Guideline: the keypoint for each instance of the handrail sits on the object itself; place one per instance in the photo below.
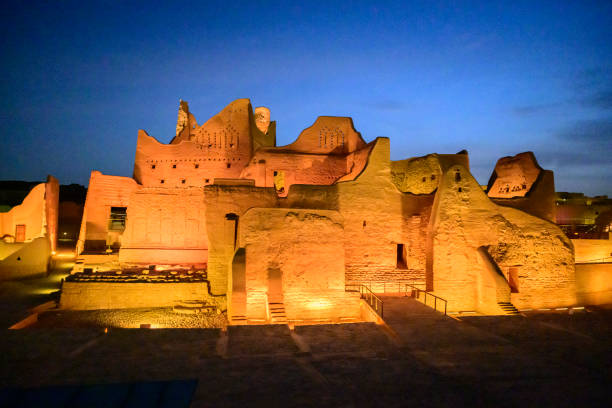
(366, 293)
(418, 296)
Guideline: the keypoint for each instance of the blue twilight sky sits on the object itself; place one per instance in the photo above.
(78, 79)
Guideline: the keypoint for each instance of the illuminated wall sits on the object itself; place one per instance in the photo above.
(593, 250)
(103, 193)
(29, 232)
(519, 182)
(220, 148)
(464, 219)
(291, 258)
(165, 226)
(300, 221)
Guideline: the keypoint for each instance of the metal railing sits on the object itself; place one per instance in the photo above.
(366, 294)
(416, 293)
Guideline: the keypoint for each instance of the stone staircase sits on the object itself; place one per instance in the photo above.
(276, 308)
(238, 320)
(190, 307)
(509, 308)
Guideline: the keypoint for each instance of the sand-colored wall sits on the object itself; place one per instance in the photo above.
(328, 135)
(464, 219)
(103, 193)
(421, 175)
(302, 247)
(98, 295)
(31, 213)
(295, 168)
(594, 283)
(22, 260)
(165, 226)
(52, 210)
(220, 148)
(222, 201)
(519, 182)
(593, 250)
(378, 217)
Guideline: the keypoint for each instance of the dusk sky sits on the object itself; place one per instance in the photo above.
(78, 79)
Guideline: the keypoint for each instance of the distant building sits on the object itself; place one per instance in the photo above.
(584, 217)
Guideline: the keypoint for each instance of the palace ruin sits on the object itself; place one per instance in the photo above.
(224, 219)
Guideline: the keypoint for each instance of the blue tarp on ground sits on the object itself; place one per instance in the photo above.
(161, 394)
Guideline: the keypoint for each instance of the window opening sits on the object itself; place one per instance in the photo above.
(117, 218)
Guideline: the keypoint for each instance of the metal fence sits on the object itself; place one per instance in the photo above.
(366, 294)
(416, 293)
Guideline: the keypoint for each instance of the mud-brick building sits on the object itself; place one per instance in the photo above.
(287, 228)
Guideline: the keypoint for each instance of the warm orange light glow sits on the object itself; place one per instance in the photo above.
(319, 304)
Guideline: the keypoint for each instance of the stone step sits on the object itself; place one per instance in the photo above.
(509, 308)
(238, 319)
(277, 311)
(191, 303)
(186, 310)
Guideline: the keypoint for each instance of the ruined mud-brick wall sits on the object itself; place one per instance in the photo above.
(105, 295)
(421, 175)
(51, 210)
(31, 213)
(282, 170)
(464, 220)
(292, 257)
(519, 182)
(594, 283)
(387, 209)
(322, 154)
(165, 226)
(220, 148)
(103, 193)
(374, 223)
(225, 204)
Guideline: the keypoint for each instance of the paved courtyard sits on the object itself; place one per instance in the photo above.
(421, 358)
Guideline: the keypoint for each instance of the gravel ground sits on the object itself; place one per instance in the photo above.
(162, 317)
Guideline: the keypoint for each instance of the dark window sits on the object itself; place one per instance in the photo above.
(229, 165)
(433, 176)
(401, 257)
(161, 181)
(207, 180)
(197, 166)
(183, 181)
(174, 166)
(152, 166)
(424, 179)
(117, 218)
(457, 176)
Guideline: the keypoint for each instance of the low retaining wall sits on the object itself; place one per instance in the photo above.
(25, 260)
(593, 250)
(103, 295)
(594, 283)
